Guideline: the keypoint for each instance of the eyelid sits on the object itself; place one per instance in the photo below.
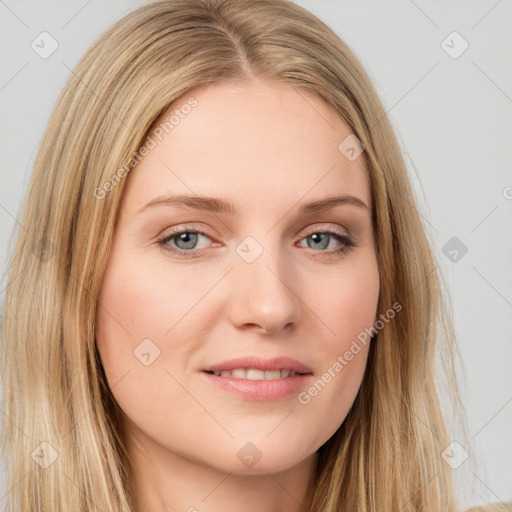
(325, 227)
(185, 228)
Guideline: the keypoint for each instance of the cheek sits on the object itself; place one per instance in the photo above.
(130, 312)
(136, 309)
(348, 307)
(136, 303)
(346, 302)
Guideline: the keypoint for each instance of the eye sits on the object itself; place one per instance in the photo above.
(321, 239)
(185, 240)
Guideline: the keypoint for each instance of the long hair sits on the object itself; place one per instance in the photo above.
(61, 431)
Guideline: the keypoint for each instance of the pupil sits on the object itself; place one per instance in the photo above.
(317, 238)
(188, 239)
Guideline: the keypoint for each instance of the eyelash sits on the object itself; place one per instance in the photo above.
(347, 242)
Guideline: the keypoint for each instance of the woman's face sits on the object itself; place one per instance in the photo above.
(192, 284)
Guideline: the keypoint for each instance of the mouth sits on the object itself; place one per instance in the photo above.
(258, 368)
(256, 379)
(256, 374)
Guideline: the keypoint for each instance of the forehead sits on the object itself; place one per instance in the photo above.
(257, 144)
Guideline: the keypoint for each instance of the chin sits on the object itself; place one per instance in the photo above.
(261, 458)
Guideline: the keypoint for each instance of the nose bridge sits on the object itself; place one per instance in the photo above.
(265, 294)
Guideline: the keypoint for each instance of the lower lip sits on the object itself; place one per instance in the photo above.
(261, 390)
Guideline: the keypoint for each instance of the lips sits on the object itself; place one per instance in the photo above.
(258, 379)
(254, 366)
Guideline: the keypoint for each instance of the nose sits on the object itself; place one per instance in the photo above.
(265, 295)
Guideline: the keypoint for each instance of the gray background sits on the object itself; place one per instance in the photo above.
(453, 118)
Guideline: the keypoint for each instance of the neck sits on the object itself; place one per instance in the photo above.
(166, 481)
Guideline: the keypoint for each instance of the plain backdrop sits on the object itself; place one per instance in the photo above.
(443, 72)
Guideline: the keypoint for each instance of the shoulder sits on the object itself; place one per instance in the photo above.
(492, 507)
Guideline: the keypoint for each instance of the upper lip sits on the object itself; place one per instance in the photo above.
(277, 363)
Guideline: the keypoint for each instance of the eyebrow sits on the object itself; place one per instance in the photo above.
(217, 205)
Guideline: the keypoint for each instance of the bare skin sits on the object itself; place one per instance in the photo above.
(268, 150)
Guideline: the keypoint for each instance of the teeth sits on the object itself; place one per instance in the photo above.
(255, 374)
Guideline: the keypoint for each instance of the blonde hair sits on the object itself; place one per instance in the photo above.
(386, 455)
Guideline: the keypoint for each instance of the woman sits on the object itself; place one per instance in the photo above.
(177, 334)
